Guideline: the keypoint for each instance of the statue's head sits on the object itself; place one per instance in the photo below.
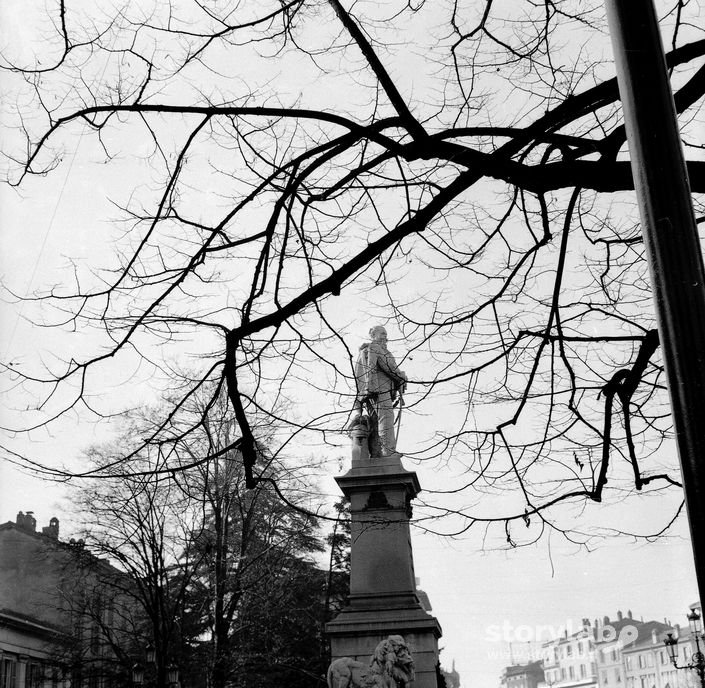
(378, 334)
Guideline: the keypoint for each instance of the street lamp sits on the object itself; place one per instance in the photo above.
(138, 670)
(137, 675)
(697, 659)
(172, 675)
(150, 654)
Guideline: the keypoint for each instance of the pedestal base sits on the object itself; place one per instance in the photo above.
(383, 599)
(356, 634)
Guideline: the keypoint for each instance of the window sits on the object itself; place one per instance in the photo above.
(109, 616)
(628, 662)
(583, 672)
(569, 650)
(562, 674)
(614, 654)
(604, 676)
(95, 639)
(617, 675)
(33, 677)
(571, 671)
(8, 674)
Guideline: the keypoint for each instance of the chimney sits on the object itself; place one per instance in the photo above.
(619, 615)
(606, 620)
(52, 530)
(629, 613)
(27, 521)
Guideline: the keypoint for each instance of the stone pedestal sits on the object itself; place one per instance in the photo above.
(383, 599)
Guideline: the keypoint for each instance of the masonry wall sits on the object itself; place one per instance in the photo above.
(58, 604)
(30, 577)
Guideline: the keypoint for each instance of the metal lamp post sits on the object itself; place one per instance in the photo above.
(150, 654)
(172, 675)
(137, 675)
(698, 659)
(138, 670)
(671, 239)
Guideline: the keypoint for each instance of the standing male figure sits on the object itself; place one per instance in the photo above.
(379, 379)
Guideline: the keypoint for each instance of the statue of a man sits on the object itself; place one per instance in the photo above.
(379, 381)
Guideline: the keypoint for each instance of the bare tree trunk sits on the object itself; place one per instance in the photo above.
(220, 627)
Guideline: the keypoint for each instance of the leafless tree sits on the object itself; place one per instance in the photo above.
(140, 527)
(459, 166)
(247, 545)
(199, 551)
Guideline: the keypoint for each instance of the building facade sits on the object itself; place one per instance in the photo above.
(529, 675)
(569, 661)
(631, 653)
(61, 613)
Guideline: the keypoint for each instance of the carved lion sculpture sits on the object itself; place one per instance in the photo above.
(391, 666)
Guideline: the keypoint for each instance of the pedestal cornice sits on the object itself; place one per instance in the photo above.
(380, 474)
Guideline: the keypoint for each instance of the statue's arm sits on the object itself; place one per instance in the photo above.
(370, 367)
(389, 366)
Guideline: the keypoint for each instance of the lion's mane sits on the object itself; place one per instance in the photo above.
(391, 666)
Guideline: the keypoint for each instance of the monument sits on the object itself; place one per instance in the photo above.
(383, 601)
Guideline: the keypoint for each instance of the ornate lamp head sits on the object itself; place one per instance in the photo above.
(694, 622)
(172, 674)
(671, 644)
(137, 675)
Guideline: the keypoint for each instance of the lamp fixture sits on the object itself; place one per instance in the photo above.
(697, 658)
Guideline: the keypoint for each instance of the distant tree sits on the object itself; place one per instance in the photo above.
(254, 566)
(460, 167)
(141, 526)
(280, 641)
(338, 584)
(208, 559)
(252, 548)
